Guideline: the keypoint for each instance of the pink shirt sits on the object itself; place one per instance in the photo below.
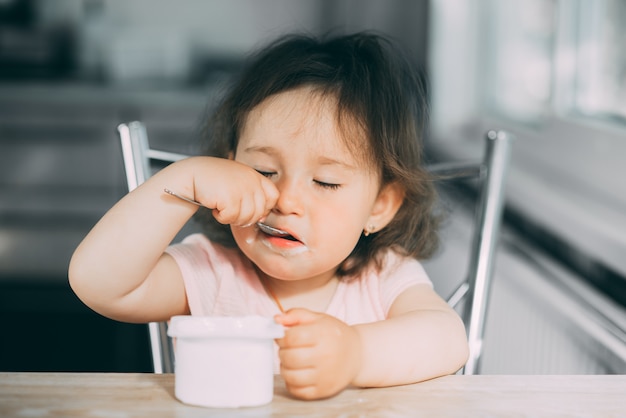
(222, 282)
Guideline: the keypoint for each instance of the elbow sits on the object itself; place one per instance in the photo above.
(462, 356)
(459, 351)
(81, 281)
(81, 278)
(90, 284)
(451, 350)
(74, 275)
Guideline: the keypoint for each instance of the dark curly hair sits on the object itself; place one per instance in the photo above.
(378, 93)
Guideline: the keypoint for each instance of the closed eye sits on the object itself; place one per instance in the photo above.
(267, 174)
(330, 186)
(322, 184)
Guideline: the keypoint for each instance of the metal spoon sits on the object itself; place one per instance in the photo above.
(263, 227)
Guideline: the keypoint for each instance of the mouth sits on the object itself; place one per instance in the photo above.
(278, 235)
(289, 238)
(286, 237)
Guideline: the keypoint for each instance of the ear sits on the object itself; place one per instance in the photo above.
(385, 207)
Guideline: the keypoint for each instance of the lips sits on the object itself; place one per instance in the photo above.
(281, 236)
(289, 238)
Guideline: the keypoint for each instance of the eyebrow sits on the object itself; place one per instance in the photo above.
(261, 149)
(323, 160)
(331, 161)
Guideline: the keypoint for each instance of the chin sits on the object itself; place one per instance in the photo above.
(279, 271)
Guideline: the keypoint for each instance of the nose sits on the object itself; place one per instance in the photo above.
(291, 197)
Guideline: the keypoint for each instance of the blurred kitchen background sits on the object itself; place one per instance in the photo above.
(552, 72)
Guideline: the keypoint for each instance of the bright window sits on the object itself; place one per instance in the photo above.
(549, 55)
(520, 42)
(600, 81)
(553, 72)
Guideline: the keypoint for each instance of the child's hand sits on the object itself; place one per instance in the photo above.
(237, 193)
(319, 354)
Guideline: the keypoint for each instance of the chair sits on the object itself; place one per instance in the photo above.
(474, 290)
(137, 157)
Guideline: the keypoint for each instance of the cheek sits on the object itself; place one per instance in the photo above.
(243, 237)
(342, 223)
(340, 240)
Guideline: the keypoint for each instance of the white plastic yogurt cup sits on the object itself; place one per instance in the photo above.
(224, 362)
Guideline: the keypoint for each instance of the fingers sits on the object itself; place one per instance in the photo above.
(297, 316)
(245, 199)
(300, 336)
(270, 194)
(307, 393)
(319, 355)
(303, 330)
(301, 383)
(301, 375)
(309, 383)
(241, 209)
(297, 358)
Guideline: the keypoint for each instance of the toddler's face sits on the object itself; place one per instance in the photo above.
(326, 193)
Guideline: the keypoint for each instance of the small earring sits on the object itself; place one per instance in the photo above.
(368, 230)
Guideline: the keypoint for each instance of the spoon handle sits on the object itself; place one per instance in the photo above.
(264, 227)
(186, 199)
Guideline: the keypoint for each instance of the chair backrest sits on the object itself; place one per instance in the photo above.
(475, 288)
(138, 157)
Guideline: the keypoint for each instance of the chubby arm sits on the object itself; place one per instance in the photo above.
(120, 269)
(421, 339)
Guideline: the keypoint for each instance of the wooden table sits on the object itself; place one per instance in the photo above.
(150, 395)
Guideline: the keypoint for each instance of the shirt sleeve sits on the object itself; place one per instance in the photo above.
(399, 273)
(197, 260)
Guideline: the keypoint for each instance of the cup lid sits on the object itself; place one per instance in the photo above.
(253, 326)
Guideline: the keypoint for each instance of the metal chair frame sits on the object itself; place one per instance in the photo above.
(475, 289)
